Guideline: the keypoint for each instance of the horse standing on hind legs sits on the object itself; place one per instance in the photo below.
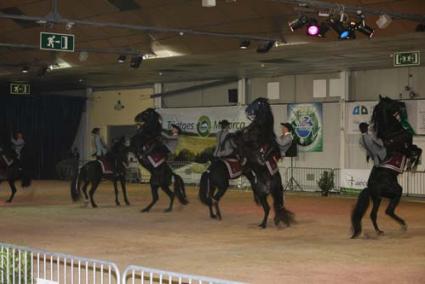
(152, 155)
(93, 172)
(390, 124)
(256, 146)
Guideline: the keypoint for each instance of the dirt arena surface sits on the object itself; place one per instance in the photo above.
(316, 250)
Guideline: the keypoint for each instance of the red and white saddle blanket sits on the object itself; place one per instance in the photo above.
(233, 167)
(396, 162)
(157, 159)
(105, 165)
(271, 164)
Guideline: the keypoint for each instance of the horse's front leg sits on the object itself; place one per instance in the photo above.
(12, 189)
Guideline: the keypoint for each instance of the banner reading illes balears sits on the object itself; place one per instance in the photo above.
(307, 122)
(199, 125)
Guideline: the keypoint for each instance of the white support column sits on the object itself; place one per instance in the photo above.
(242, 91)
(157, 89)
(345, 77)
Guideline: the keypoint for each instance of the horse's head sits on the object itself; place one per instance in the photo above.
(149, 122)
(259, 107)
(387, 116)
(121, 149)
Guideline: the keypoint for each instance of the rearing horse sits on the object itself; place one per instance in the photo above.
(390, 124)
(152, 155)
(257, 144)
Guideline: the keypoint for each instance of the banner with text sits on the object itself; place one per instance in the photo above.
(358, 112)
(199, 127)
(308, 126)
(354, 178)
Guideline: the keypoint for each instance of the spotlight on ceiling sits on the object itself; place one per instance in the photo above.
(121, 58)
(244, 44)
(342, 31)
(383, 21)
(265, 46)
(313, 28)
(136, 61)
(25, 69)
(366, 30)
(298, 23)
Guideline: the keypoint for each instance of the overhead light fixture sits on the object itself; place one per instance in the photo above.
(136, 61)
(69, 26)
(420, 27)
(265, 46)
(323, 29)
(342, 31)
(383, 21)
(298, 23)
(244, 44)
(208, 3)
(25, 69)
(366, 30)
(121, 58)
(83, 56)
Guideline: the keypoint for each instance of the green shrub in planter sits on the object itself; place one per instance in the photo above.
(9, 266)
(326, 182)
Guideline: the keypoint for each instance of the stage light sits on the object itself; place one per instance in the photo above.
(136, 61)
(298, 23)
(366, 30)
(121, 58)
(342, 31)
(244, 44)
(25, 69)
(313, 28)
(383, 21)
(265, 46)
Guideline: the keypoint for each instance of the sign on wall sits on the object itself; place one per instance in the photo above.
(308, 125)
(407, 58)
(358, 112)
(20, 88)
(354, 178)
(58, 42)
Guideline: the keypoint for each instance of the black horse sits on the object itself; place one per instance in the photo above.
(93, 172)
(12, 169)
(390, 124)
(215, 180)
(152, 155)
(257, 144)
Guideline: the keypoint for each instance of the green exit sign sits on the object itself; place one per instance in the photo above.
(20, 88)
(408, 58)
(57, 42)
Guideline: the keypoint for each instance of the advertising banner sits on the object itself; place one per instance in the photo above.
(308, 126)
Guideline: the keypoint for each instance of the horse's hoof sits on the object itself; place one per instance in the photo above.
(276, 221)
(168, 210)
(404, 228)
(94, 205)
(117, 203)
(263, 226)
(380, 233)
(8, 201)
(144, 210)
(213, 216)
(127, 203)
(355, 235)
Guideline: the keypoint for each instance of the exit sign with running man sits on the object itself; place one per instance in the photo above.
(57, 42)
(408, 58)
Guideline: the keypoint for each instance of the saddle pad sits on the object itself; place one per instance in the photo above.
(396, 162)
(233, 167)
(271, 164)
(105, 165)
(156, 159)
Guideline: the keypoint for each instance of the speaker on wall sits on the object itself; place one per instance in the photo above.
(233, 95)
(293, 149)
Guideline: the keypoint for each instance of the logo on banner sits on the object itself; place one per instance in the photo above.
(360, 110)
(204, 126)
(307, 128)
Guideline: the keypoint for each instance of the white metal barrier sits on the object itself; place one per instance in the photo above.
(139, 274)
(22, 265)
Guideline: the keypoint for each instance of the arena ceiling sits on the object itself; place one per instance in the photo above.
(206, 39)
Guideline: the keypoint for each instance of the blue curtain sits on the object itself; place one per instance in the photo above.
(49, 125)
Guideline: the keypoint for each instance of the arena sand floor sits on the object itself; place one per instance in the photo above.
(316, 250)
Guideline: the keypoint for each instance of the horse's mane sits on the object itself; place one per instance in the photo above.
(151, 119)
(262, 127)
(384, 122)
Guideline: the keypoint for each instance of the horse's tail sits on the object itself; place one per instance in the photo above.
(25, 178)
(179, 189)
(204, 188)
(359, 211)
(281, 213)
(76, 183)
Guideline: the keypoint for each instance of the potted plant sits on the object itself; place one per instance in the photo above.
(326, 182)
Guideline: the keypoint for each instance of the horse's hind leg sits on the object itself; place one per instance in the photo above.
(215, 200)
(391, 211)
(117, 202)
(13, 189)
(124, 190)
(266, 208)
(376, 201)
(171, 195)
(84, 189)
(154, 190)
